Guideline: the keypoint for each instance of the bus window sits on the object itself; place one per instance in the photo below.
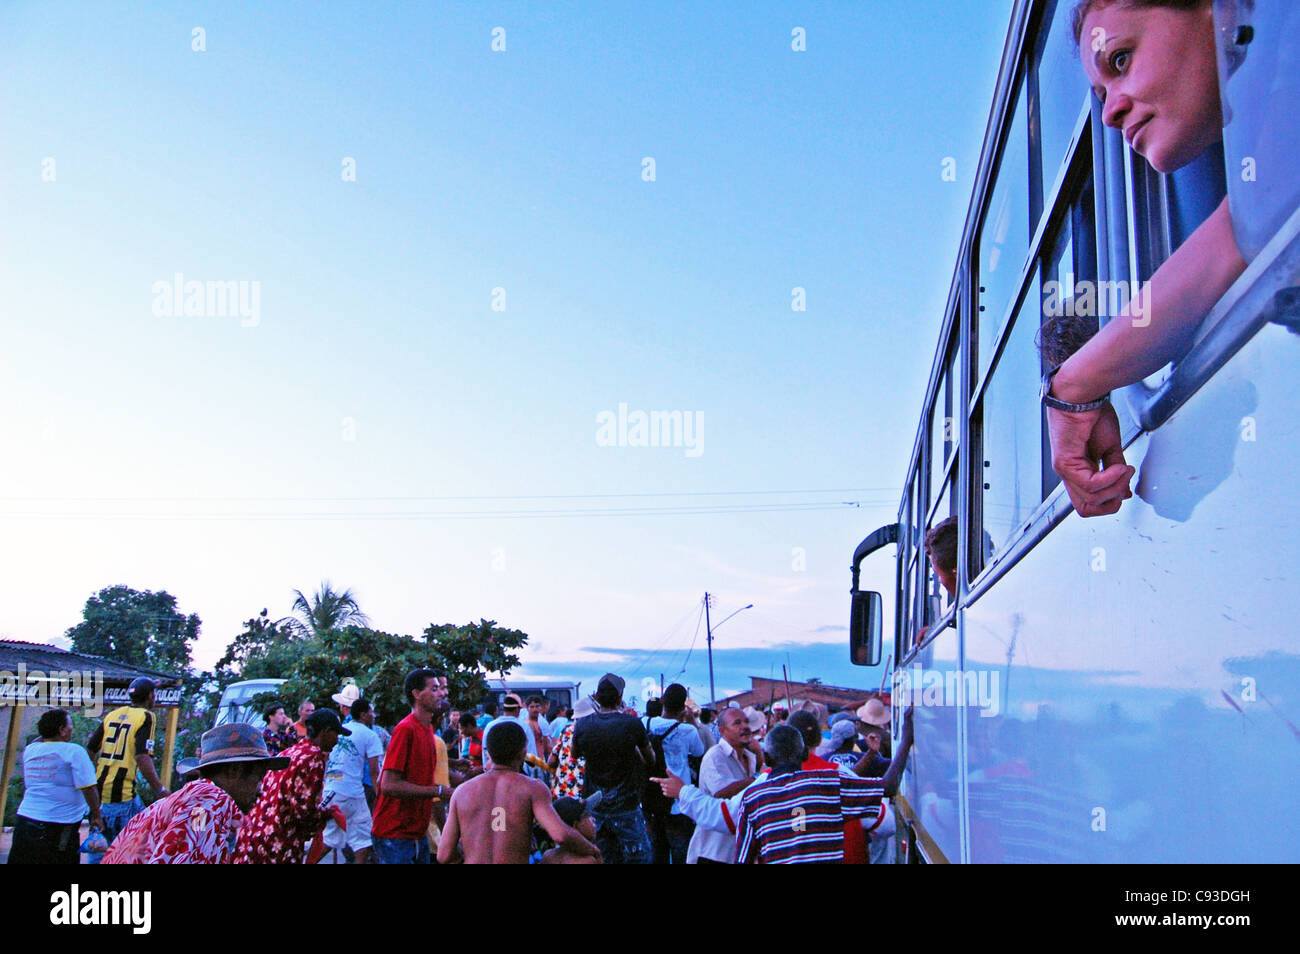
(938, 597)
(943, 421)
(1058, 94)
(1003, 242)
(1259, 80)
(1011, 431)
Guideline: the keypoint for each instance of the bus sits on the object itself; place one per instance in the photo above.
(557, 693)
(1121, 688)
(236, 703)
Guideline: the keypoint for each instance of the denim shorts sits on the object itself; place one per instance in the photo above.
(116, 815)
(402, 851)
(622, 838)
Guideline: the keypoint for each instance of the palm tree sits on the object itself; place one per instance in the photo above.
(326, 610)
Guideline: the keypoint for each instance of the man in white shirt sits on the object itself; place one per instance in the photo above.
(345, 775)
(727, 769)
(510, 706)
(671, 833)
(59, 786)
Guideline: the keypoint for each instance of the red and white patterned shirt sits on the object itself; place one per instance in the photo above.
(196, 825)
(288, 813)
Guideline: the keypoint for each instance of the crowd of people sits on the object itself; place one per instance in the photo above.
(595, 783)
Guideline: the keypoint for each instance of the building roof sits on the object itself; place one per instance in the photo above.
(46, 658)
(763, 690)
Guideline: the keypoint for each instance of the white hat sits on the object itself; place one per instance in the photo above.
(874, 712)
(348, 696)
(585, 707)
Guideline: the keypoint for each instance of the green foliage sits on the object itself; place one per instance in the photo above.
(141, 628)
(468, 653)
(317, 667)
(264, 650)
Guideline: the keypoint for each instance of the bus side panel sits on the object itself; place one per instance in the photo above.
(934, 766)
(1146, 666)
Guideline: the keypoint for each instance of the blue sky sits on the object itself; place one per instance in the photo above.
(229, 461)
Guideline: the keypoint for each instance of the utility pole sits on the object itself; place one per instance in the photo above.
(708, 628)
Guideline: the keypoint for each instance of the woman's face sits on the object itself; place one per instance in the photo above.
(1154, 70)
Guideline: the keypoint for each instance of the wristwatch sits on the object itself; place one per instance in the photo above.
(1056, 403)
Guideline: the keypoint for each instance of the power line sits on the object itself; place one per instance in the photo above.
(674, 510)
(595, 496)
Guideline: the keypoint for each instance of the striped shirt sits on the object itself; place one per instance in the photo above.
(125, 733)
(799, 817)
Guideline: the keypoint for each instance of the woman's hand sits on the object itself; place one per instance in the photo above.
(1088, 456)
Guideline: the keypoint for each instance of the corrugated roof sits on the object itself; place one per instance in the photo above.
(43, 656)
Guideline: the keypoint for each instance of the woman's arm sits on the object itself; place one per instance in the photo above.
(1153, 329)
(1158, 325)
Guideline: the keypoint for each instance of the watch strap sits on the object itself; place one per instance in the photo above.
(1057, 404)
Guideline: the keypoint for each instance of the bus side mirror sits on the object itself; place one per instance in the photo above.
(864, 629)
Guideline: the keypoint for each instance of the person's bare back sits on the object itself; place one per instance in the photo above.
(492, 815)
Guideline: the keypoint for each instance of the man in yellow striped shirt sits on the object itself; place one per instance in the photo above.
(124, 743)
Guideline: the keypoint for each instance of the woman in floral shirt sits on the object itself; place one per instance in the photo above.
(570, 771)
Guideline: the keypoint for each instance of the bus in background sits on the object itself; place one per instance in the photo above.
(557, 694)
(1121, 688)
(237, 702)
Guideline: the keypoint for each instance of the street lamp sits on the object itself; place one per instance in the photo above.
(709, 631)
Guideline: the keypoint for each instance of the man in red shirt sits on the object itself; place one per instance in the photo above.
(406, 787)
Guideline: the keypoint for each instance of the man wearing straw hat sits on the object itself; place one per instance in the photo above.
(199, 823)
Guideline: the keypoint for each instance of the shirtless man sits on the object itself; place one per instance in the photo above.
(491, 817)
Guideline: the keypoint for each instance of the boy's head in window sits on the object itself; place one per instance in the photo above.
(1062, 335)
(941, 548)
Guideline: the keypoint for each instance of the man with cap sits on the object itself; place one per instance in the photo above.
(617, 751)
(124, 743)
(511, 705)
(345, 698)
(200, 822)
(289, 813)
(576, 813)
(352, 762)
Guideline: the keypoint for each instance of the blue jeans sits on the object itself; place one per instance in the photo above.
(116, 815)
(670, 837)
(402, 851)
(622, 839)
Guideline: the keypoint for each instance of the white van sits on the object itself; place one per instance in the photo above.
(234, 705)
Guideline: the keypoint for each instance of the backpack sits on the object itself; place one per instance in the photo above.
(653, 799)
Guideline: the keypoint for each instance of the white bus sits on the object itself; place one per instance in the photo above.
(1122, 688)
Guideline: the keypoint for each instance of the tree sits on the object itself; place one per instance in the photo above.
(264, 650)
(469, 653)
(378, 663)
(326, 610)
(140, 628)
